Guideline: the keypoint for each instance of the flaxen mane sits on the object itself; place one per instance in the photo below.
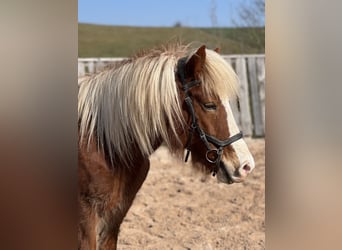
(136, 101)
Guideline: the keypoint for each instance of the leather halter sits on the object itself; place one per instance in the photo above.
(194, 127)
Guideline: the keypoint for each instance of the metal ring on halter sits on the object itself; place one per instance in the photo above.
(208, 152)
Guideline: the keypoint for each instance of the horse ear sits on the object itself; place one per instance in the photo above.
(196, 62)
(217, 50)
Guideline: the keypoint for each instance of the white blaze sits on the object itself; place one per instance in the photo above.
(240, 146)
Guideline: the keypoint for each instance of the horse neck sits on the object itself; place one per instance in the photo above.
(137, 156)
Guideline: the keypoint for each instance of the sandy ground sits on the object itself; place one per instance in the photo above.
(178, 208)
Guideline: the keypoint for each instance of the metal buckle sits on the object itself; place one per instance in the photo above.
(217, 155)
(212, 159)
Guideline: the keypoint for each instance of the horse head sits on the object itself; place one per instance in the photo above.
(206, 83)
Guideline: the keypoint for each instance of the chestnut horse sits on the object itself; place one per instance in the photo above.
(171, 95)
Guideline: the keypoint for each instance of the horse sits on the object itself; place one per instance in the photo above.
(173, 95)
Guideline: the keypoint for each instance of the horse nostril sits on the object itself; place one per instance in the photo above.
(244, 170)
(246, 167)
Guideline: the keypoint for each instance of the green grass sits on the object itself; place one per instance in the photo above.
(119, 41)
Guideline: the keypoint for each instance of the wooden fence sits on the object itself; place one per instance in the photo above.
(249, 109)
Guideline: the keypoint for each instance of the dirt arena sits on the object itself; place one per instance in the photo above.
(178, 208)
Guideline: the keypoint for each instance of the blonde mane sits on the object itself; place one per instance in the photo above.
(137, 102)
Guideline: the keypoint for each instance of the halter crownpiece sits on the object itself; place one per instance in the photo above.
(213, 156)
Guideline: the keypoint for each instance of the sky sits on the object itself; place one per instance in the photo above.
(160, 13)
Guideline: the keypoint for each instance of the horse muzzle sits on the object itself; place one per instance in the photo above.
(230, 175)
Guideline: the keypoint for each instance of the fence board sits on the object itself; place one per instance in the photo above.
(255, 98)
(91, 67)
(246, 119)
(81, 69)
(233, 102)
(261, 83)
(100, 66)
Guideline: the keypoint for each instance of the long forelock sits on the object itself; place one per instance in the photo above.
(218, 77)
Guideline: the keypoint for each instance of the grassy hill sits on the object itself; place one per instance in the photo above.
(119, 41)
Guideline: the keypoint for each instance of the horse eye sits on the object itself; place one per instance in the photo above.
(209, 106)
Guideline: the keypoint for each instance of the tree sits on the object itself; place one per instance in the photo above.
(252, 14)
(252, 17)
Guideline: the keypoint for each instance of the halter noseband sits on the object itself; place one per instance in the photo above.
(194, 127)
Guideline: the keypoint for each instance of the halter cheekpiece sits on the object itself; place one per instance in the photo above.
(213, 155)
